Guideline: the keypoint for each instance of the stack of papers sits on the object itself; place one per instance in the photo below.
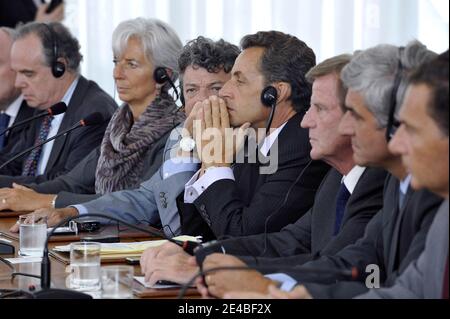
(129, 249)
(141, 280)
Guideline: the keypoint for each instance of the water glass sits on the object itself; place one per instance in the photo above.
(117, 282)
(85, 266)
(32, 235)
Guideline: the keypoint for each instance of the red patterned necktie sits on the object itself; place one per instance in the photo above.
(31, 163)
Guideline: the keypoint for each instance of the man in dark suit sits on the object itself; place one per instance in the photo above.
(13, 109)
(396, 235)
(345, 202)
(221, 200)
(46, 59)
(422, 141)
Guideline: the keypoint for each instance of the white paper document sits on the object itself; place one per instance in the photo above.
(24, 260)
(141, 280)
(129, 248)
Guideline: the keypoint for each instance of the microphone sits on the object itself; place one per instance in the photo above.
(46, 292)
(90, 120)
(350, 274)
(56, 109)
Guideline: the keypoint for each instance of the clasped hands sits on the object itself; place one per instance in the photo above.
(216, 141)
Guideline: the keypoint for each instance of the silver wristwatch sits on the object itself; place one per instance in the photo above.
(187, 144)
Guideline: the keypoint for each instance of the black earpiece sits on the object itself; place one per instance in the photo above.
(160, 76)
(58, 68)
(183, 101)
(269, 96)
(393, 124)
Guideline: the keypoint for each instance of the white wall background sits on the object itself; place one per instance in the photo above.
(330, 27)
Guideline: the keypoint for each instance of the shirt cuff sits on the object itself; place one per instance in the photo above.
(81, 209)
(179, 165)
(287, 282)
(194, 188)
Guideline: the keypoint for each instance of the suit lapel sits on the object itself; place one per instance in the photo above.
(326, 206)
(69, 120)
(24, 112)
(399, 214)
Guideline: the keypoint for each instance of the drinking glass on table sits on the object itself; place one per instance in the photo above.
(117, 282)
(85, 266)
(32, 235)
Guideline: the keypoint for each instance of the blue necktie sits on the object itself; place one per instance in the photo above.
(31, 163)
(401, 199)
(4, 121)
(341, 202)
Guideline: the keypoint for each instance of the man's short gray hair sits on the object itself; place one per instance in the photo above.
(160, 42)
(372, 74)
(50, 34)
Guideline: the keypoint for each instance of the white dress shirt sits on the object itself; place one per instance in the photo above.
(351, 179)
(196, 186)
(56, 123)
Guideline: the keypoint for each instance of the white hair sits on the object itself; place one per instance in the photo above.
(160, 43)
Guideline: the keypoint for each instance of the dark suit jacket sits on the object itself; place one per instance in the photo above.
(241, 207)
(392, 240)
(16, 11)
(13, 136)
(78, 186)
(312, 235)
(70, 149)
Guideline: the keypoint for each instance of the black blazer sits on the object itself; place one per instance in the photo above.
(70, 149)
(78, 186)
(13, 136)
(16, 11)
(312, 235)
(241, 207)
(393, 239)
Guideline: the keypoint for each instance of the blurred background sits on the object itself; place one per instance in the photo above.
(330, 27)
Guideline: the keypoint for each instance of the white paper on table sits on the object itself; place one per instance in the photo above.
(24, 260)
(133, 247)
(141, 280)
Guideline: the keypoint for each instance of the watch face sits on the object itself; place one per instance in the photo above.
(187, 144)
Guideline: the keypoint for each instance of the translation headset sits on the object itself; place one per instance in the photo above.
(161, 77)
(269, 98)
(58, 68)
(393, 124)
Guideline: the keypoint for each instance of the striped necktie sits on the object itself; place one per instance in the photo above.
(31, 163)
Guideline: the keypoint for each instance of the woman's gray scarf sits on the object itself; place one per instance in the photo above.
(126, 143)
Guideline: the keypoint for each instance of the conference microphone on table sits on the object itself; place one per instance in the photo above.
(90, 120)
(56, 109)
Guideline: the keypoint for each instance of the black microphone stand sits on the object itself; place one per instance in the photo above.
(40, 144)
(56, 109)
